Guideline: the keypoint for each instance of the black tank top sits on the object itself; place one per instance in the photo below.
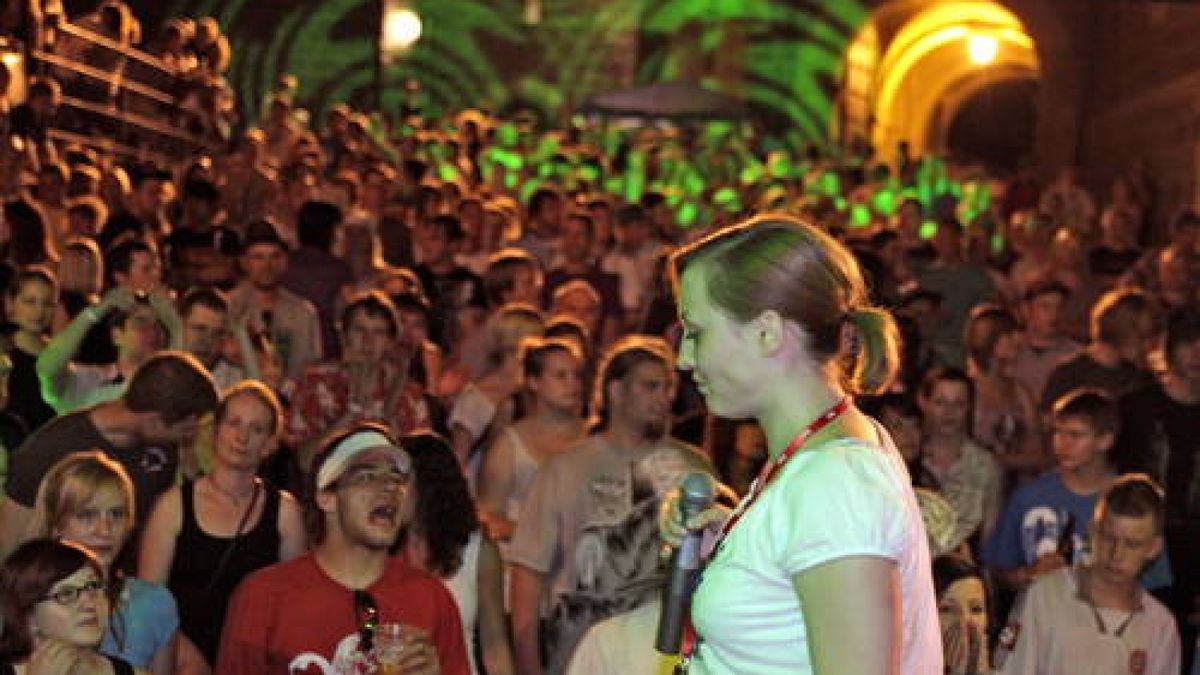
(202, 599)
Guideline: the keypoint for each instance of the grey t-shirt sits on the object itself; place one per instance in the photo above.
(151, 469)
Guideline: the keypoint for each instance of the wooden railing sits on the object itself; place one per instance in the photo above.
(117, 98)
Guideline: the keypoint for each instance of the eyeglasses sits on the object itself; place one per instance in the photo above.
(70, 595)
(374, 478)
(367, 614)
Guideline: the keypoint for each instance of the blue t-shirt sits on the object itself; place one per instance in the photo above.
(1034, 520)
(146, 619)
(1033, 523)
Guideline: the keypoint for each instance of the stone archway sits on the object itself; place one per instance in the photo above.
(926, 66)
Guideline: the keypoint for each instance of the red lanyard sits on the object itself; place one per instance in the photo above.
(768, 473)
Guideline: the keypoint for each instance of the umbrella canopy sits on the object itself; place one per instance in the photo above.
(666, 100)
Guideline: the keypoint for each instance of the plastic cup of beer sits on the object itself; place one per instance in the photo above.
(389, 648)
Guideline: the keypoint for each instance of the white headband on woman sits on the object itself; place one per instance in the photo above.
(354, 445)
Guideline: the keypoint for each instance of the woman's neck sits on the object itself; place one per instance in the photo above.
(943, 448)
(789, 415)
(236, 485)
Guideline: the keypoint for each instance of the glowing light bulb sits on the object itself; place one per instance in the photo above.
(401, 29)
(982, 49)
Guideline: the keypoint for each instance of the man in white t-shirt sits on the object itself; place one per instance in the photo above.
(1097, 620)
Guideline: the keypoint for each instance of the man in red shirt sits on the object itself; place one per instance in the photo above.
(320, 612)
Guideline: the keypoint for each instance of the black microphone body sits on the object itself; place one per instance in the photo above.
(696, 494)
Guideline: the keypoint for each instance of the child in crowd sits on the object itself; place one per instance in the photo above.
(1045, 521)
(1097, 619)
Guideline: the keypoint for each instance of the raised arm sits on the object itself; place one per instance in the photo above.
(54, 359)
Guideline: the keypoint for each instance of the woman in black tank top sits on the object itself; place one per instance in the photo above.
(204, 537)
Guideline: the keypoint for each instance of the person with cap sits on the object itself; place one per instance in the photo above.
(261, 301)
(347, 604)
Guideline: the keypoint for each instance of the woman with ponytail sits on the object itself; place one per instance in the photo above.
(824, 566)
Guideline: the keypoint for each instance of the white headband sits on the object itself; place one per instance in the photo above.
(354, 445)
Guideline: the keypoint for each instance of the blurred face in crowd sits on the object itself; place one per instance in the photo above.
(264, 265)
(75, 610)
(1139, 339)
(140, 336)
(1184, 361)
(560, 384)
(151, 196)
(1123, 545)
(576, 241)
(549, 215)
(156, 431)
(643, 398)
(245, 433)
(145, 272)
(946, 408)
(31, 309)
(204, 330)
(368, 338)
(101, 523)
(964, 604)
(526, 286)
(582, 305)
(749, 442)
(1078, 445)
(414, 327)
(632, 235)
(1043, 314)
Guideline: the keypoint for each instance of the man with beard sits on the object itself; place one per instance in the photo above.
(330, 610)
(587, 536)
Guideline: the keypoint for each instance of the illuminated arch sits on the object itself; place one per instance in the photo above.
(924, 73)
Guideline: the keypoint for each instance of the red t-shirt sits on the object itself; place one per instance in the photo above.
(293, 618)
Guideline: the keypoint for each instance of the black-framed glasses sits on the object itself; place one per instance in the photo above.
(366, 612)
(69, 595)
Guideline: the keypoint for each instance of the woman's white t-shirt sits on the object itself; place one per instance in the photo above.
(844, 498)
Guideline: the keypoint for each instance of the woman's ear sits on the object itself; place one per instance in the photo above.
(769, 332)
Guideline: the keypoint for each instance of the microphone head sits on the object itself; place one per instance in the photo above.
(697, 492)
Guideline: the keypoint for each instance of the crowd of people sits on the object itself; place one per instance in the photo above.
(375, 393)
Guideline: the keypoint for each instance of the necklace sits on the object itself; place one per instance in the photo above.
(232, 496)
(1085, 592)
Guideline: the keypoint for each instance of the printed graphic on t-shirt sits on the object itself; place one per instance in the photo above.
(348, 659)
(616, 555)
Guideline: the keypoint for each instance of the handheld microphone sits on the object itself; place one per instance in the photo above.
(697, 492)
